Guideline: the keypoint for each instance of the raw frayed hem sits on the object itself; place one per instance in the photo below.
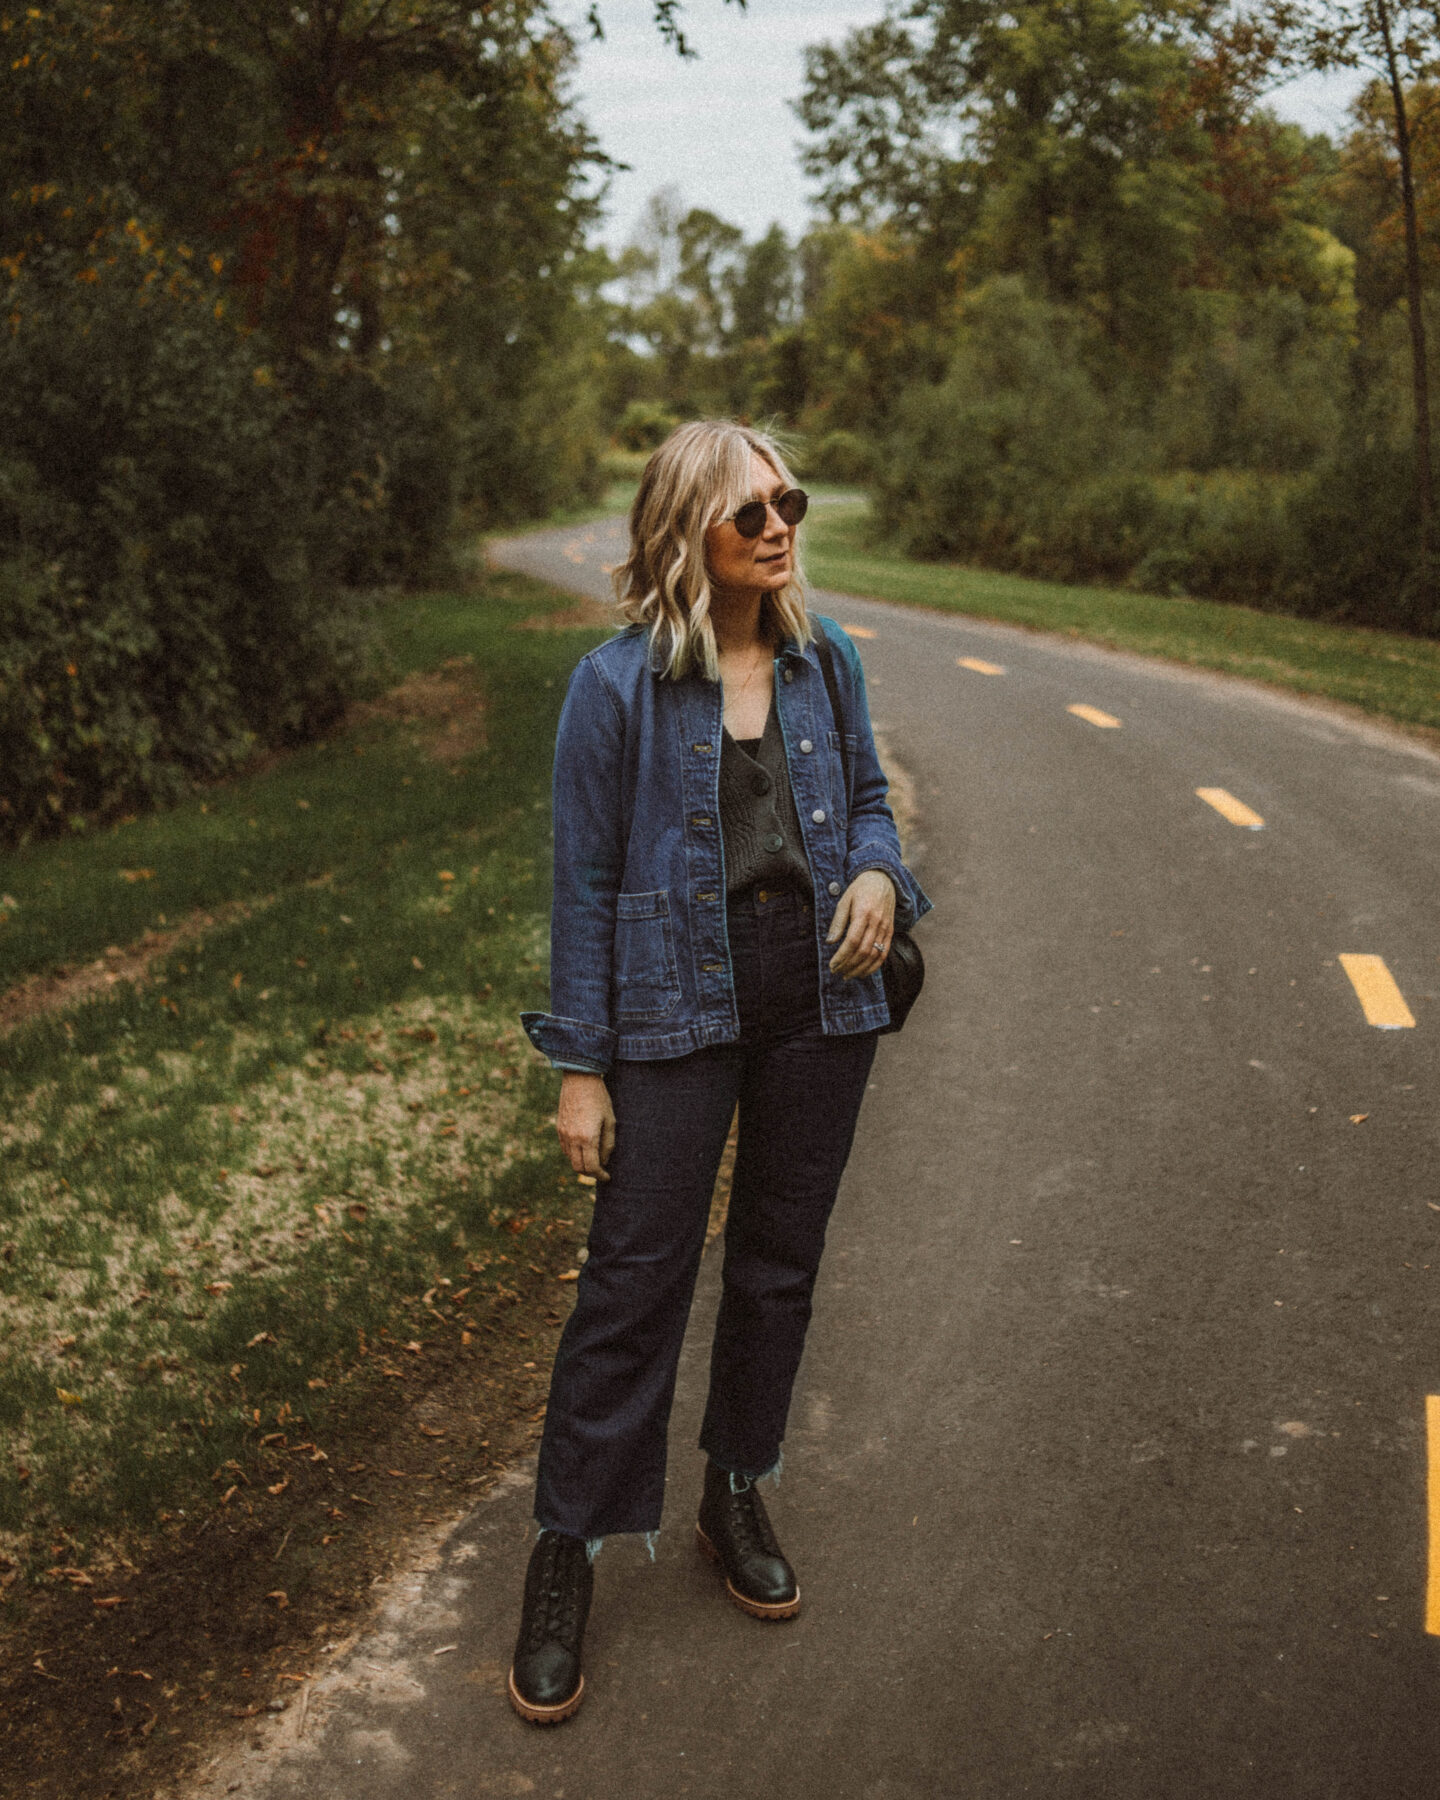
(741, 1483)
(593, 1546)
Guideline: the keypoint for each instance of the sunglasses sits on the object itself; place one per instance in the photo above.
(791, 506)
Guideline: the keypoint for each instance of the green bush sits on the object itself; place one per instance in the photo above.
(175, 535)
(839, 456)
(644, 424)
(1300, 498)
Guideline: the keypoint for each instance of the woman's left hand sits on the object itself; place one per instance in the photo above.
(864, 924)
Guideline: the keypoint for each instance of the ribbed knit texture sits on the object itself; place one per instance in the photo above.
(758, 821)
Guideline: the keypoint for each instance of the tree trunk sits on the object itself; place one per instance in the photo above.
(1419, 363)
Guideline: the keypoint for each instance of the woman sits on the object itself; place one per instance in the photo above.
(722, 910)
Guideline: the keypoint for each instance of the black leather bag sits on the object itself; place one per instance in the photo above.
(903, 970)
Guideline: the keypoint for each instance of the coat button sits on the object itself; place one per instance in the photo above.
(760, 784)
(818, 815)
(834, 890)
(789, 675)
(774, 843)
(806, 746)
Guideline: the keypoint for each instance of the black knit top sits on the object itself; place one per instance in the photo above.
(758, 821)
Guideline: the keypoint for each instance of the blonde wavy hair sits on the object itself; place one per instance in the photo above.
(699, 476)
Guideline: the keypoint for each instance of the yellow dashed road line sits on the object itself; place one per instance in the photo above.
(1093, 716)
(1432, 1495)
(1236, 811)
(860, 631)
(979, 665)
(1377, 993)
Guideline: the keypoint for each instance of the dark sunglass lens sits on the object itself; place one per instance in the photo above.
(750, 520)
(792, 505)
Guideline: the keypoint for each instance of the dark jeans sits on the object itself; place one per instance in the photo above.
(602, 1460)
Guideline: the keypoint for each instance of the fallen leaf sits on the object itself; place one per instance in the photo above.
(446, 875)
(430, 1432)
(66, 1398)
(218, 1287)
(262, 1337)
(569, 1275)
(415, 963)
(1358, 1118)
(137, 875)
(279, 1487)
(357, 1209)
(415, 1347)
(109, 1601)
(280, 1597)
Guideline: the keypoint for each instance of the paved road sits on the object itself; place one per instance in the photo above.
(1107, 1473)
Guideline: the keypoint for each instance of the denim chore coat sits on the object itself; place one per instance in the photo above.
(640, 961)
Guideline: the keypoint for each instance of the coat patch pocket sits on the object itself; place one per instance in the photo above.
(647, 982)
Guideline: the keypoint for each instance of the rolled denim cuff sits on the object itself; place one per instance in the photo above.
(590, 1048)
(910, 901)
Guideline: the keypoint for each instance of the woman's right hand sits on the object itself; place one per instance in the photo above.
(586, 1123)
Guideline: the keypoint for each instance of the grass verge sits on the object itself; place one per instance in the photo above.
(311, 1144)
(1383, 673)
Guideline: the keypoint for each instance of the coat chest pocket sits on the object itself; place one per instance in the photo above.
(852, 750)
(647, 983)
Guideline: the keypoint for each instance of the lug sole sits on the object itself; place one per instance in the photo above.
(757, 1609)
(544, 1715)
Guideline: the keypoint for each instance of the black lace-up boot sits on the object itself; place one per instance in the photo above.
(734, 1531)
(546, 1685)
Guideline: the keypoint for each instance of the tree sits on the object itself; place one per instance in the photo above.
(1399, 44)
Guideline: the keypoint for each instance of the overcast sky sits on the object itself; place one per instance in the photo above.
(719, 127)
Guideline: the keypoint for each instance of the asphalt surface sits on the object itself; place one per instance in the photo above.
(1107, 1468)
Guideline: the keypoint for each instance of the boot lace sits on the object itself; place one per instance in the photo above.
(556, 1617)
(749, 1523)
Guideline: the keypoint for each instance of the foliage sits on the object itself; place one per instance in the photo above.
(173, 540)
(1394, 676)
(644, 424)
(1079, 304)
(290, 291)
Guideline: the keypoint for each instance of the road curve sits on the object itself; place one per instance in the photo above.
(1107, 1469)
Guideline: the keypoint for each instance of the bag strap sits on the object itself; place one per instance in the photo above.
(832, 688)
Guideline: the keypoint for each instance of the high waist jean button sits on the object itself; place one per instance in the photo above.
(818, 815)
(806, 746)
